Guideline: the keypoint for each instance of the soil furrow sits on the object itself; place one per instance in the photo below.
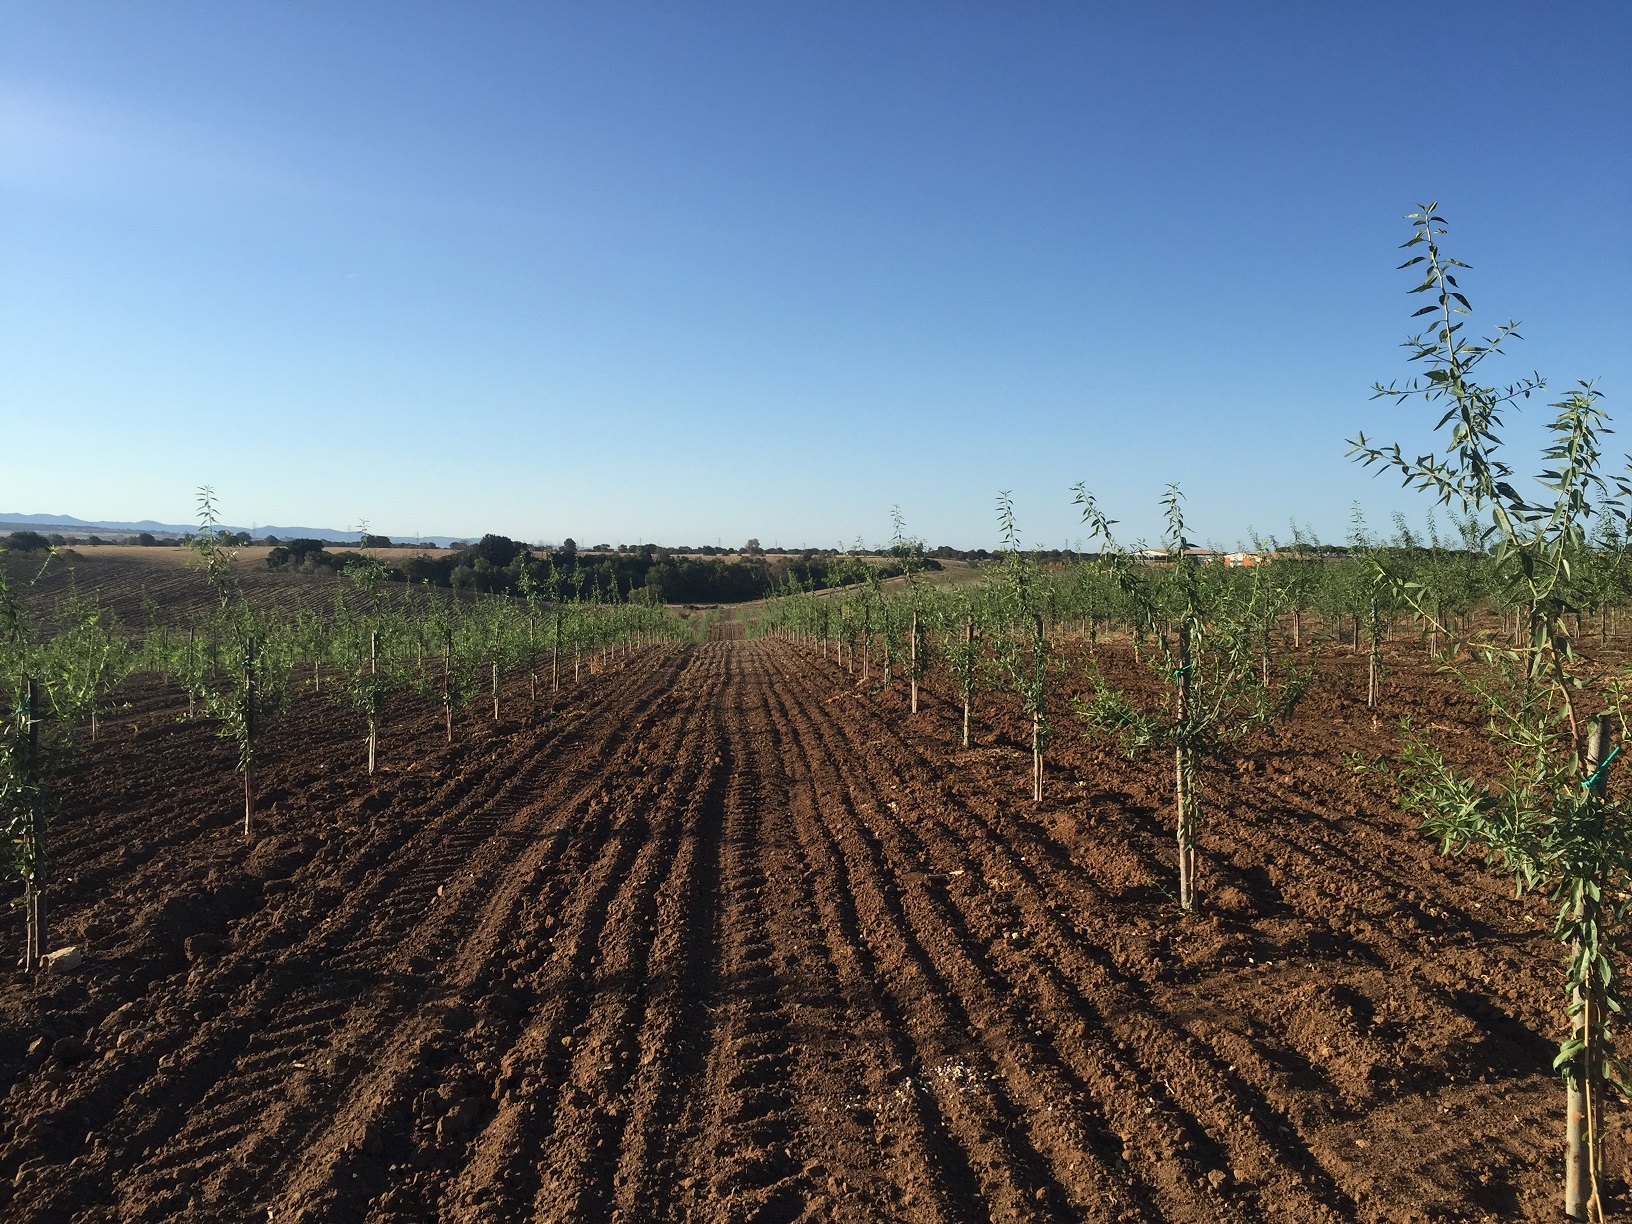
(985, 865)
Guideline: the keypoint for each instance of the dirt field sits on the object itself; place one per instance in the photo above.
(726, 938)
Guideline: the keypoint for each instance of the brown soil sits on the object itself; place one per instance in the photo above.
(724, 937)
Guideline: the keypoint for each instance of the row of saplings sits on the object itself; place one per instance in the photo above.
(1550, 821)
(241, 666)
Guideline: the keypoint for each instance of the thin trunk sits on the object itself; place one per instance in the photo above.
(495, 692)
(1297, 628)
(373, 671)
(968, 684)
(1184, 777)
(914, 661)
(1037, 723)
(249, 735)
(1371, 660)
(34, 892)
(1036, 756)
(1583, 1093)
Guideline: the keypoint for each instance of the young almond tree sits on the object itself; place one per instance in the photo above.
(1552, 821)
(239, 682)
(960, 624)
(85, 660)
(357, 647)
(1217, 687)
(908, 553)
(1023, 649)
(1374, 598)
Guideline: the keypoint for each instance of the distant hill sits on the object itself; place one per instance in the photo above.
(65, 523)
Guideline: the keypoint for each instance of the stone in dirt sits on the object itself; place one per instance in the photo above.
(64, 960)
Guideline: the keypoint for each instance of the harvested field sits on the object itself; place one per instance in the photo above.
(727, 938)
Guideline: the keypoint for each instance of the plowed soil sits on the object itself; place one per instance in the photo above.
(727, 936)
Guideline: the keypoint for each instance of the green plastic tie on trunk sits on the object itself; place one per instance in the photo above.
(1597, 773)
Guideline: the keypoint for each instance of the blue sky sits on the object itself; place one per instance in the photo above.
(687, 272)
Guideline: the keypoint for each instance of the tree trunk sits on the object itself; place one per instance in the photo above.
(968, 684)
(373, 671)
(913, 664)
(1037, 722)
(33, 897)
(1583, 1092)
(1036, 757)
(249, 734)
(1371, 661)
(1183, 777)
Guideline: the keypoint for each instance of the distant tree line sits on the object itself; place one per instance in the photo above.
(499, 565)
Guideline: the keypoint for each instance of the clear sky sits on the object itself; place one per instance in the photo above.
(698, 271)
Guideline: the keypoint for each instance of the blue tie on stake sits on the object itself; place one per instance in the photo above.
(1597, 773)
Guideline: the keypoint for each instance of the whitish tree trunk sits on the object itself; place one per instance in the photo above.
(913, 664)
(1583, 1093)
(1037, 725)
(373, 671)
(968, 640)
(1184, 775)
(1036, 757)
(34, 938)
(249, 733)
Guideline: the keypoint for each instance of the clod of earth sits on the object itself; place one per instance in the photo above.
(64, 960)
